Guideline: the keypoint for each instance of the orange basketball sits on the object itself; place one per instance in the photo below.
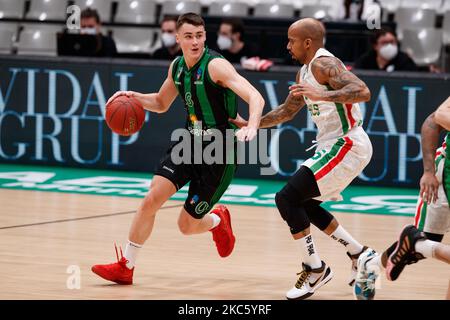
(125, 115)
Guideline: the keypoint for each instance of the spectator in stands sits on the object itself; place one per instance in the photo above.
(385, 54)
(91, 25)
(170, 48)
(230, 41)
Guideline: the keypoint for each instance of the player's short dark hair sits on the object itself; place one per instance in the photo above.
(169, 18)
(190, 18)
(236, 25)
(381, 32)
(90, 13)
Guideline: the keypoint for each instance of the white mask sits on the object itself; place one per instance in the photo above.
(168, 39)
(389, 51)
(91, 31)
(224, 43)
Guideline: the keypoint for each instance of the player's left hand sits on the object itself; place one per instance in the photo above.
(246, 133)
(307, 90)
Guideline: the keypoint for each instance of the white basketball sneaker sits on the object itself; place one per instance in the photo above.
(364, 288)
(309, 281)
(354, 268)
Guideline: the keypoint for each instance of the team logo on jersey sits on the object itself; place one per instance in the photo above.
(198, 75)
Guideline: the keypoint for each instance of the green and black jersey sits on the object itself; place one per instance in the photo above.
(205, 101)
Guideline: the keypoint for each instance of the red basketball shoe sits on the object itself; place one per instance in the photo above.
(117, 272)
(223, 233)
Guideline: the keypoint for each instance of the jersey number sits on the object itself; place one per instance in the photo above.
(314, 110)
(188, 98)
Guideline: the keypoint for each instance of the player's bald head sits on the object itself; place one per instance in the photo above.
(305, 37)
(308, 28)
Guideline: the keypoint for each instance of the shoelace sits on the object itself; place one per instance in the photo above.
(370, 282)
(304, 275)
(121, 260)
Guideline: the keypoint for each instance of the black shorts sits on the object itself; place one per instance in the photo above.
(208, 182)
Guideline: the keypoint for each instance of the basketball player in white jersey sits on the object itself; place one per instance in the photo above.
(331, 94)
(432, 221)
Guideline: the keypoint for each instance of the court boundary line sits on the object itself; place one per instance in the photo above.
(81, 218)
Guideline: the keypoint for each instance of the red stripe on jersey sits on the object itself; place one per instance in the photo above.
(349, 107)
(336, 160)
(417, 217)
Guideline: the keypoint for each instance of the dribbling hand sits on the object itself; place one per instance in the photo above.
(121, 93)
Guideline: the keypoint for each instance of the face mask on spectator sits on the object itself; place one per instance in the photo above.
(224, 43)
(389, 51)
(168, 39)
(91, 31)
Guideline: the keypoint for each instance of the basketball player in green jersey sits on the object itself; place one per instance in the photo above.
(432, 220)
(208, 85)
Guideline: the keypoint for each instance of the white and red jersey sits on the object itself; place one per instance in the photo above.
(333, 119)
(441, 152)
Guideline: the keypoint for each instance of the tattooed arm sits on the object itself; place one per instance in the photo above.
(285, 111)
(329, 71)
(430, 137)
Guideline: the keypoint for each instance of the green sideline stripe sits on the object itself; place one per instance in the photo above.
(262, 196)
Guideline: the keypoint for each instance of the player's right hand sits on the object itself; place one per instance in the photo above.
(239, 121)
(120, 93)
(429, 186)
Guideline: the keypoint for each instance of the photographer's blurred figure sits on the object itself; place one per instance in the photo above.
(91, 25)
(170, 48)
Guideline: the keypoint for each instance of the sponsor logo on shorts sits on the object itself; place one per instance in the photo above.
(202, 207)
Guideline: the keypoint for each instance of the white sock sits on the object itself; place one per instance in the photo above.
(310, 256)
(343, 237)
(216, 220)
(375, 262)
(425, 247)
(131, 252)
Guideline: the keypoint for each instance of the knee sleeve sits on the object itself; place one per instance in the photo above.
(318, 216)
(434, 236)
(305, 183)
(291, 211)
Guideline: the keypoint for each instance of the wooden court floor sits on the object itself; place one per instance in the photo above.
(43, 233)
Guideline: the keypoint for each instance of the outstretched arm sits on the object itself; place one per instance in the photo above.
(156, 102)
(224, 74)
(280, 114)
(430, 136)
(283, 112)
(329, 71)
